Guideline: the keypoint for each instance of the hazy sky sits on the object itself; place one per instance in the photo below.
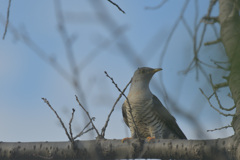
(132, 40)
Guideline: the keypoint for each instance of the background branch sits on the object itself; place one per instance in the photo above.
(7, 19)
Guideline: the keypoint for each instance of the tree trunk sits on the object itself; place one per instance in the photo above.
(230, 34)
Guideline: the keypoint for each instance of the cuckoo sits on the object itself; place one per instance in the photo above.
(146, 116)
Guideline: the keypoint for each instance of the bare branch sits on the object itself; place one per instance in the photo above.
(172, 31)
(210, 20)
(187, 27)
(7, 20)
(88, 116)
(225, 127)
(211, 5)
(47, 102)
(208, 99)
(106, 43)
(158, 6)
(216, 96)
(120, 9)
(127, 102)
(213, 42)
(219, 66)
(197, 46)
(83, 132)
(69, 51)
(220, 85)
(70, 123)
(109, 115)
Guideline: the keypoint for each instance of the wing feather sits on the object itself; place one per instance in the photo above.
(124, 113)
(167, 118)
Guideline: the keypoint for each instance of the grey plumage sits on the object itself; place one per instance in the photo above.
(150, 116)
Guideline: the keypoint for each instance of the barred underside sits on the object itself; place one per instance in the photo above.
(147, 121)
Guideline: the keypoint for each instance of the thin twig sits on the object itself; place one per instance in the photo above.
(106, 124)
(47, 102)
(213, 42)
(187, 27)
(7, 20)
(87, 115)
(70, 123)
(120, 9)
(216, 96)
(83, 132)
(220, 85)
(158, 6)
(130, 108)
(197, 46)
(219, 66)
(164, 50)
(106, 43)
(210, 20)
(208, 99)
(69, 51)
(225, 127)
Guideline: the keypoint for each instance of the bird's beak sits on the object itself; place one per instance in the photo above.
(156, 70)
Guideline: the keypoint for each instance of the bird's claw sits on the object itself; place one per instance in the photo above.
(124, 139)
(150, 138)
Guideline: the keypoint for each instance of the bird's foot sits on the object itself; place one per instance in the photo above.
(124, 139)
(150, 138)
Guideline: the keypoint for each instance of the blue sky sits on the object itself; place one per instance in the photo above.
(26, 78)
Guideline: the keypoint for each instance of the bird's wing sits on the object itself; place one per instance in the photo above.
(124, 113)
(167, 118)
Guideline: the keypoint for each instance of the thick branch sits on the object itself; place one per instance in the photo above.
(115, 149)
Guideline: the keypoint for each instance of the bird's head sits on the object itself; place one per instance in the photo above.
(140, 82)
(144, 74)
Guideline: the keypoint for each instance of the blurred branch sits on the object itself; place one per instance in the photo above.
(124, 45)
(210, 20)
(172, 31)
(120, 9)
(67, 41)
(26, 39)
(7, 19)
(68, 44)
(196, 62)
(158, 6)
(207, 19)
(106, 43)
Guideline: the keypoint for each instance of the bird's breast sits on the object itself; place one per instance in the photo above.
(144, 116)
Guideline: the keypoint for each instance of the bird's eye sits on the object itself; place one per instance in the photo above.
(143, 71)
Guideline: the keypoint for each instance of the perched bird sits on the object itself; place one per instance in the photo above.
(146, 116)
